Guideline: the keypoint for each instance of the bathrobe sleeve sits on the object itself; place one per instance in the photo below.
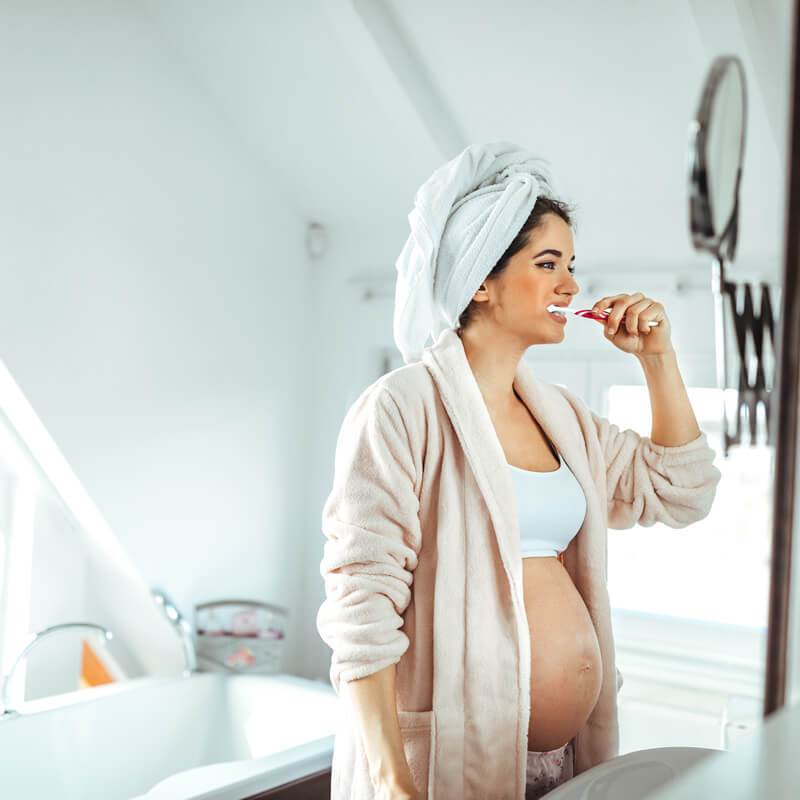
(373, 537)
(649, 483)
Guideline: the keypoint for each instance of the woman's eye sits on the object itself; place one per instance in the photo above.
(552, 263)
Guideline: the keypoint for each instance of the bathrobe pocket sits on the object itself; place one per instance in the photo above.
(418, 731)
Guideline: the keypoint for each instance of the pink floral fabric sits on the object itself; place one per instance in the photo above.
(547, 770)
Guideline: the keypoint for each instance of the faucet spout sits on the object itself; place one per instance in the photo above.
(183, 627)
(8, 710)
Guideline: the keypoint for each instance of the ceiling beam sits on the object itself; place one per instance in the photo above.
(372, 37)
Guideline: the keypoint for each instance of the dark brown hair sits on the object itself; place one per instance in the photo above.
(544, 205)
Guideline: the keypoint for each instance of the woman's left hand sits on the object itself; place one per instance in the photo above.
(628, 320)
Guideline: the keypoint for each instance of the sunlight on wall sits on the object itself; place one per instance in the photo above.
(16, 546)
(18, 587)
(25, 447)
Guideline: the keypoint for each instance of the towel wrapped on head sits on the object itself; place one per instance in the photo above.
(465, 216)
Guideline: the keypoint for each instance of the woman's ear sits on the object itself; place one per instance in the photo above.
(481, 294)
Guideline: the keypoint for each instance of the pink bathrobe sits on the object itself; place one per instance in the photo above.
(423, 568)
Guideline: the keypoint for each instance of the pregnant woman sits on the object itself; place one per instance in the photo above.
(466, 532)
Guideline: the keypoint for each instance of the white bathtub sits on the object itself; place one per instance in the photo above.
(208, 736)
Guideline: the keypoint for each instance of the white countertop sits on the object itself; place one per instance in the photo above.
(764, 764)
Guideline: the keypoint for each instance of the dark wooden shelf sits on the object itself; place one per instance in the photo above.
(316, 786)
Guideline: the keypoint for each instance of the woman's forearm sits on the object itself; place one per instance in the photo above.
(374, 703)
(674, 422)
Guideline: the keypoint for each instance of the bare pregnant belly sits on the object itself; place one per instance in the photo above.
(566, 667)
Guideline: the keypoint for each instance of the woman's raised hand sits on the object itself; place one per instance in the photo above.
(627, 324)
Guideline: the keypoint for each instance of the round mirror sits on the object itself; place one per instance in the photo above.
(716, 151)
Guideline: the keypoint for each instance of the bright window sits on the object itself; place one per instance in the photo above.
(714, 570)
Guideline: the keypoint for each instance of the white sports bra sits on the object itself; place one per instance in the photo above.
(552, 507)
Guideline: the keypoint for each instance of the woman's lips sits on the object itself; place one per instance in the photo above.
(560, 318)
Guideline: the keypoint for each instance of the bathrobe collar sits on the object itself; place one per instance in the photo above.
(464, 403)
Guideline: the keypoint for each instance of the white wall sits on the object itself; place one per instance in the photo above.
(153, 302)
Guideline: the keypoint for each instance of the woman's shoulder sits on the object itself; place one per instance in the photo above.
(574, 407)
(407, 392)
(410, 386)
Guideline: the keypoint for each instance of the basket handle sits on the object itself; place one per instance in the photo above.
(267, 606)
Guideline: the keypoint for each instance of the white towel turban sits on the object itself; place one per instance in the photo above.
(465, 216)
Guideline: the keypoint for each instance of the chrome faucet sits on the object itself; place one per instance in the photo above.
(183, 628)
(8, 711)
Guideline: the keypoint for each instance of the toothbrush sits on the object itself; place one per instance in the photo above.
(587, 313)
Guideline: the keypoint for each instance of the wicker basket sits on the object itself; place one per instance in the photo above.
(240, 636)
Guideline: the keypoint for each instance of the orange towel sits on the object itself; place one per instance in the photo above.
(93, 671)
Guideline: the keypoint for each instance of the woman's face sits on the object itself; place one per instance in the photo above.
(538, 275)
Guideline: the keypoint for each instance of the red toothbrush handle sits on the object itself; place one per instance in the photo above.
(587, 312)
(601, 315)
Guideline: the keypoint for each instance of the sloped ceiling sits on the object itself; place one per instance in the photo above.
(346, 106)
